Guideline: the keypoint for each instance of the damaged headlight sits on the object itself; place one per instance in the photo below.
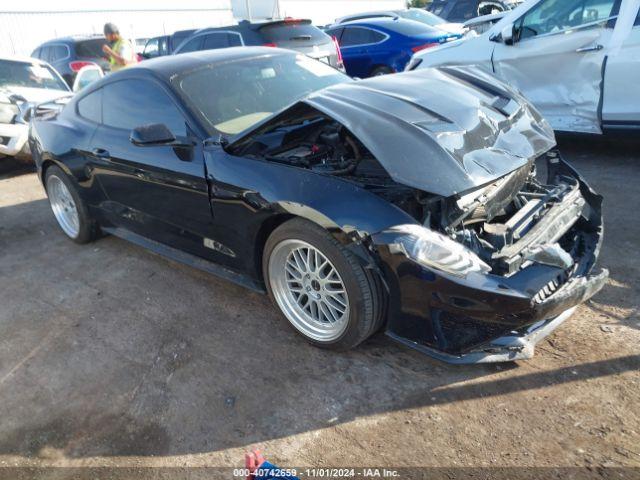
(437, 251)
(8, 112)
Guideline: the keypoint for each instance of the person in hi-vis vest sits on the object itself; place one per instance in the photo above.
(119, 51)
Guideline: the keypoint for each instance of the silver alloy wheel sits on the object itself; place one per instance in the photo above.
(63, 206)
(309, 290)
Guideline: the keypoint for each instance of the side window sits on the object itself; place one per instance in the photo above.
(234, 40)
(163, 46)
(637, 19)
(551, 16)
(463, 10)
(132, 103)
(36, 53)
(151, 49)
(213, 41)
(192, 45)
(90, 107)
(58, 52)
(359, 36)
(44, 53)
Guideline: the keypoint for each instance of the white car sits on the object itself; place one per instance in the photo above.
(577, 61)
(24, 83)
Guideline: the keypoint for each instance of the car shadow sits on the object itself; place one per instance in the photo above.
(109, 350)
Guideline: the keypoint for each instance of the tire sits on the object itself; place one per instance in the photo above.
(381, 70)
(288, 284)
(70, 211)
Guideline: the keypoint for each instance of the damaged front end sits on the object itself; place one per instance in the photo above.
(528, 251)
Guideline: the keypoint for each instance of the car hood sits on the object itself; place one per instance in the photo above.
(443, 130)
(34, 95)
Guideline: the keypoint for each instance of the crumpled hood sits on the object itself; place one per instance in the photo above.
(443, 130)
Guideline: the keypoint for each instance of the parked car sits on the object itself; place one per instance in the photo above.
(416, 14)
(378, 46)
(294, 34)
(24, 83)
(576, 60)
(69, 54)
(165, 44)
(463, 10)
(409, 203)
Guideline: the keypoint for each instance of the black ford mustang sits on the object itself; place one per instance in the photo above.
(413, 203)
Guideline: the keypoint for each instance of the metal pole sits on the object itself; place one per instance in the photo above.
(248, 5)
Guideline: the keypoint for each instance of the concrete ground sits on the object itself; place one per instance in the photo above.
(111, 355)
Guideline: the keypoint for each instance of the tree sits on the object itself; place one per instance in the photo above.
(417, 3)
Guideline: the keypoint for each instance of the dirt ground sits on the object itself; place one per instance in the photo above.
(111, 355)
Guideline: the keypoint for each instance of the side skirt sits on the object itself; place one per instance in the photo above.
(186, 259)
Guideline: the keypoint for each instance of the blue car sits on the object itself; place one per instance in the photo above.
(377, 46)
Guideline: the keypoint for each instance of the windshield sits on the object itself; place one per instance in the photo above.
(422, 16)
(24, 74)
(233, 96)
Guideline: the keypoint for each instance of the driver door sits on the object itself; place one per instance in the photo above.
(556, 60)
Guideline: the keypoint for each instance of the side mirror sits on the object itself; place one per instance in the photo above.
(150, 135)
(507, 34)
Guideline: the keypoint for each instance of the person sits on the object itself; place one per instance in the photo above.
(119, 51)
(260, 469)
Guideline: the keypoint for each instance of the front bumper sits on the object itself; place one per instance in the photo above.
(485, 317)
(13, 138)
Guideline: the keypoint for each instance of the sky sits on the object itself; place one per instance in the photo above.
(66, 5)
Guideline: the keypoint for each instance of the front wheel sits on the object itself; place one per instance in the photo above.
(320, 286)
(67, 206)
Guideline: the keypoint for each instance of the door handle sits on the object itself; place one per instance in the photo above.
(592, 48)
(101, 153)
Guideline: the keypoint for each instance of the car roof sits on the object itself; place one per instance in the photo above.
(169, 66)
(23, 59)
(72, 39)
(384, 22)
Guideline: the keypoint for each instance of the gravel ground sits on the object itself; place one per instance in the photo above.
(113, 356)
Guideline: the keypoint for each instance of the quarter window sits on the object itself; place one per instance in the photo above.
(128, 104)
(353, 36)
(90, 107)
(551, 16)
(192, 45)
(58, 52)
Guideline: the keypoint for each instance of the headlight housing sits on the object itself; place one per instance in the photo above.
(8, 112)
(437, 251)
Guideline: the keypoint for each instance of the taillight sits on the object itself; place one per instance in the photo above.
(291, 20)
(271, 44)
(424, 47)
(338, 51)
(76, 66)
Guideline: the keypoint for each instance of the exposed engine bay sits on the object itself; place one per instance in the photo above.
(513, 222)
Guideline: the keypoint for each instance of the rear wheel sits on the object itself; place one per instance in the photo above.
(320, 287)
(70, 211)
